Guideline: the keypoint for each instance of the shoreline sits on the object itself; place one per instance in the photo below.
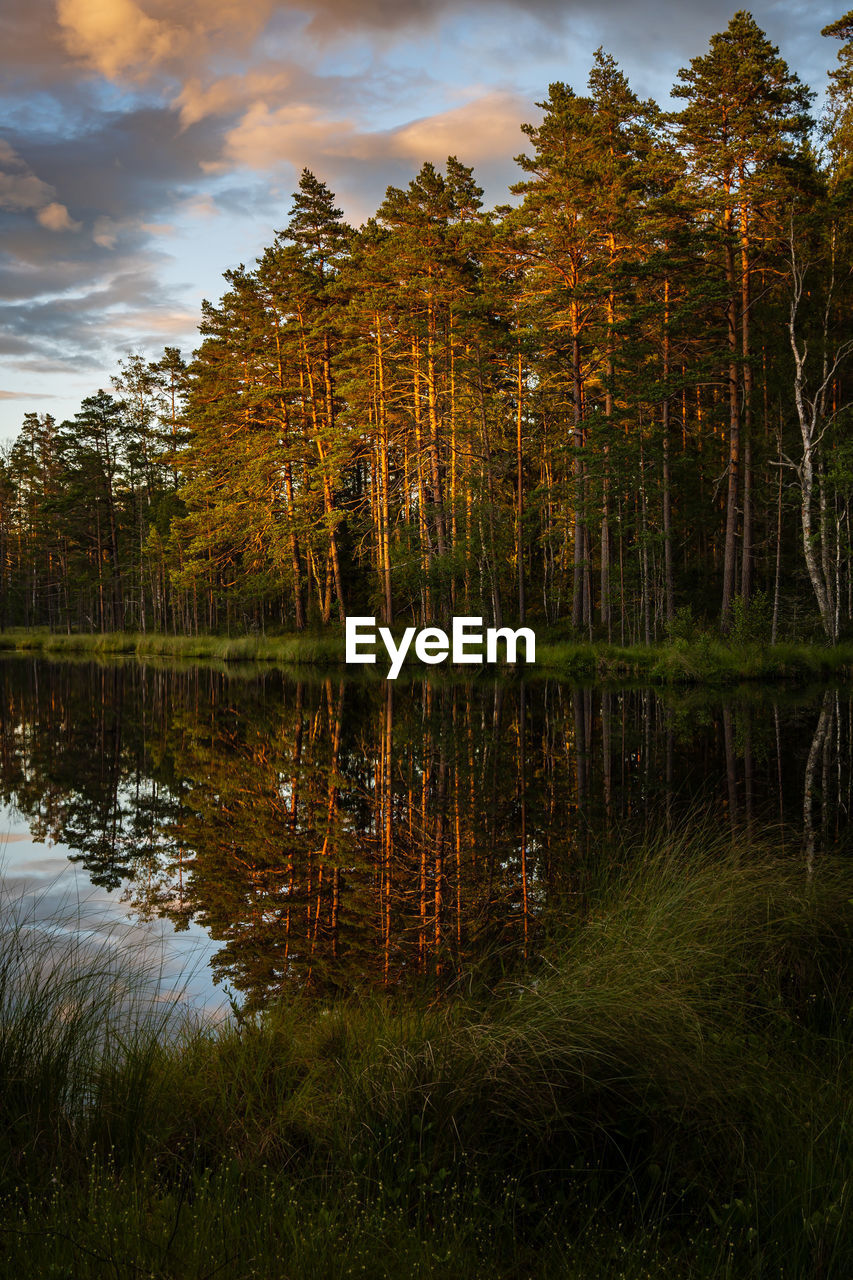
(705, 661)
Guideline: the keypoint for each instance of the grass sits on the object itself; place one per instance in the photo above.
(665, 1091)
(705, 659)
(310, 649)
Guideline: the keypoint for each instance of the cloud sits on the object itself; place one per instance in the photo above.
(358, 163)
(82, 328)
(123, 40)
(29, 38)
(68, 302)
(297, 133)
(126, 39)
(137, 41)
(266, 136)
(56, 217)
(485, 129)
(222, 97)
(21, 191)
(328, 18)
(115, 36)
(129, 164)
(155, 325)
(20, 395)
(199, 206)
(105, 232)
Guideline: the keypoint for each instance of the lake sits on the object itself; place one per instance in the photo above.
(268, 831)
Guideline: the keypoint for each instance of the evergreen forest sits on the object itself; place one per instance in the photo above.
(617, 405)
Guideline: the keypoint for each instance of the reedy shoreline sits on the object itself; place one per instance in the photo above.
(706, 660)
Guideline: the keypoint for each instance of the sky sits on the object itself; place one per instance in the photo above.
(147, 146)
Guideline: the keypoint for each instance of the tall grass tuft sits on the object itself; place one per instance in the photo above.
(82, 1023)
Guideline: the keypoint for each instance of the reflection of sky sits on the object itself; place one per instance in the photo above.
(60, 894)
(148, 145)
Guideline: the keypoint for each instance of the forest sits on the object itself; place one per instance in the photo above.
(618, 405)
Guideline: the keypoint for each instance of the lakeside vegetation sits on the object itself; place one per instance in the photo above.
(702, 659)
(316, 649)
(665, 1089)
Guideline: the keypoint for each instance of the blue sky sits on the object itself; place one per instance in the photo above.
(147, 146)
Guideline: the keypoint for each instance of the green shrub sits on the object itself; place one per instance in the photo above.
(751, 620)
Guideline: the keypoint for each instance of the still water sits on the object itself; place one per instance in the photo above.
(271, 831)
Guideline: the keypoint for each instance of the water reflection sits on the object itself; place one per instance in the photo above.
(337, 834)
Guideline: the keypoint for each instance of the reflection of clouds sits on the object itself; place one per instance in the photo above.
(57, 903)
(36, 867)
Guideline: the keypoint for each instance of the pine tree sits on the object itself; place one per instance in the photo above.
(314, 244)
(838, 120)
(744, 122)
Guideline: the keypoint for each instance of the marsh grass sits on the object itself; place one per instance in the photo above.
(308, 649)
(702, 659)
(665, 1090)
(81, 1021)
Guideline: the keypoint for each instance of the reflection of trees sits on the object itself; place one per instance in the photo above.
(273, 859)
(818, 767)
(335, 834)
(77, 761)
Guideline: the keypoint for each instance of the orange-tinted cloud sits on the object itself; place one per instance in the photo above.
(117, 36)
(126, 39)
(225, 95)
(268, 135)
(484, 129)
(55, 217)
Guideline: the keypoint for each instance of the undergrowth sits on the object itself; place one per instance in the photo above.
(664, 1090)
